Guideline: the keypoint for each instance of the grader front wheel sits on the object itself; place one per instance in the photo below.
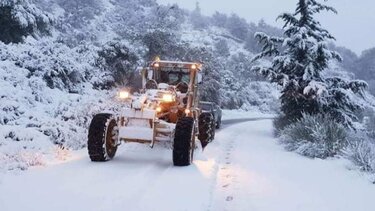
(183, 144)
(101, 139)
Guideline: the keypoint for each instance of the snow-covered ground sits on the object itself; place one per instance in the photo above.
(243, 169)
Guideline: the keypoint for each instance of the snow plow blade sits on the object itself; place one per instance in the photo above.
(139, 126)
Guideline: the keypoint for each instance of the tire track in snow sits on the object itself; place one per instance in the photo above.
(174, 181)
(154, 170)
(224, 175)
(226, 183)
(227, 177)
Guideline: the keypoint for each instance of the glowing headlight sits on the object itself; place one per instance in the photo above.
(124, 95)
(168, 98)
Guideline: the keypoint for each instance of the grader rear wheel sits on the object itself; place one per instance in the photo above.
(206, 129)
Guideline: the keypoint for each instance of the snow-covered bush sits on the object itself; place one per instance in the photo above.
(19, 19)
(317, 136)
(361, 147)
(22, 159)
(280, 123)
(39, 112)
(361, 151)
(60, 66)
(222, 48)
(259, 95)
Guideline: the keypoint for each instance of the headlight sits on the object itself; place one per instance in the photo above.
(168, 98)
(124, 95)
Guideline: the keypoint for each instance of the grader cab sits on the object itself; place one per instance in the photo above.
(164, 110)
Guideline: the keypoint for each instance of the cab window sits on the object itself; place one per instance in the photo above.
(173, 77)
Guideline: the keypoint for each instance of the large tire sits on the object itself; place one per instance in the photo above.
(206, 129)
(183, 144)
(101, 144)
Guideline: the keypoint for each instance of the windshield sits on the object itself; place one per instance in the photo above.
(172, 77)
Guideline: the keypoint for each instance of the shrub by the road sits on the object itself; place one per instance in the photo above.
(361, 151)
(361, 148)
(315, 136)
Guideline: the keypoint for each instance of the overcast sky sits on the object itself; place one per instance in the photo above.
(353, 27)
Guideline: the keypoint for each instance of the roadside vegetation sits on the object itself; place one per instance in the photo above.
(321, 112)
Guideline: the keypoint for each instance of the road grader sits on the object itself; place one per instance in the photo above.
(164, 110)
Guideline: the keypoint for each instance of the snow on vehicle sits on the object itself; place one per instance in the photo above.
(166, 110)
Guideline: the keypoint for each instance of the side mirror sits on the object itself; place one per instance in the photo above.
(200, 78)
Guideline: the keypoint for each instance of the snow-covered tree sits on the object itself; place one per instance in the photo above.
(222, 48)
(166, 18)
(364, 68)
(298, 61)
(118, 60)
(219, 19)
(19, 19)
(197, 19)
(80, 13)
(237, 26)
(251, 44)
(159, 43)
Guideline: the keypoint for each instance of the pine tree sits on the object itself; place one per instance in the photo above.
(298, 62)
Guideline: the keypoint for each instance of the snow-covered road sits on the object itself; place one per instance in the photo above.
(244, 169)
